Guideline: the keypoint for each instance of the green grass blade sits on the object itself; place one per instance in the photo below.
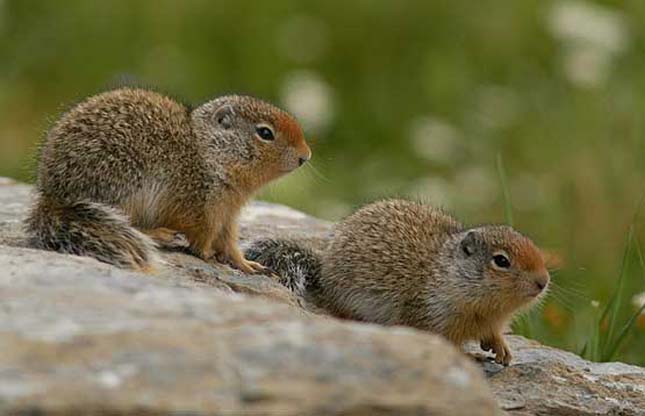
(641, 262)
(583, 351)
(508, 207)
(613, 306)
(595, 341)
(615, 345)
(524, 324)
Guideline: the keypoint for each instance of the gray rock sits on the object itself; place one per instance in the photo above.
(548, 381)
(79, 336)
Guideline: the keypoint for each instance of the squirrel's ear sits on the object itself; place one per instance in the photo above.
(470, 243)
(224, 116)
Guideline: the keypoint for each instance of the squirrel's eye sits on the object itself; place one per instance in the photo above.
(501, 261)
(264, 133)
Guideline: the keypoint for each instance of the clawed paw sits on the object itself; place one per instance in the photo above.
(503, 356)
(248, 267)
(251, 267)
(498, 346)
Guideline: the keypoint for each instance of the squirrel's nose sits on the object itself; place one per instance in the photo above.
(541, 280)
(306, 154)
(303, 159)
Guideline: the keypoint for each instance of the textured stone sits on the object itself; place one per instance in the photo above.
(548, 381)
(79, 336)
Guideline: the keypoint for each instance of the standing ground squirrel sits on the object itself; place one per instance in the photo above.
(126, 169)
(399, 262)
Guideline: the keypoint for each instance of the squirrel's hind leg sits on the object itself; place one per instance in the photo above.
(205, 245)
(213, 241)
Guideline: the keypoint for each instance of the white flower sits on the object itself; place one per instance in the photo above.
(638, 300)
(308, 97)
(435, 140)
(591, 35)
(592, 24)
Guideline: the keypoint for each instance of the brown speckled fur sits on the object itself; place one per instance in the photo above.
(399, 262)
(140, 160)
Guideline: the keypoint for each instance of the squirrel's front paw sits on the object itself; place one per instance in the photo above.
(498, 346)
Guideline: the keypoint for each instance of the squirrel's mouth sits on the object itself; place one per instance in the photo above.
(539, 284)
(289, 170)
(536, 291)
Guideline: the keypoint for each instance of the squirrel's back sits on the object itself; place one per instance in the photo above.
(111, 143)
(388, 249)
(104, 165)
(375, 266)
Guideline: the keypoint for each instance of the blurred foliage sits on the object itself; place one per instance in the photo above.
(400, 98)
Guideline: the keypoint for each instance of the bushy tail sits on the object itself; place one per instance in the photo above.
(89, 229)
(298, 266)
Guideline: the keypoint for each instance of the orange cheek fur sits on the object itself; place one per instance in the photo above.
(293, 135)
(529, 257)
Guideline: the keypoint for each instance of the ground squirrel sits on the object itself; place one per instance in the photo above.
(399, 262)
(127, 169)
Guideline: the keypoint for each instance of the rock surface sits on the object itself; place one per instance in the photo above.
(79, 336)
(85, 337)
(547, 381)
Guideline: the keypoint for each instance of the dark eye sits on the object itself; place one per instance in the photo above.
(501, 261)
(265, 133)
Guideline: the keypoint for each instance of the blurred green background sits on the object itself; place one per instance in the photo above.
(406, 98)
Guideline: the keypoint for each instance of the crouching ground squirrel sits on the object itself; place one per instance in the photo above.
(399, 262)
(124, 170)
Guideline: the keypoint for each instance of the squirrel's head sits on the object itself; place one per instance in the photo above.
(507, 265)
(257, 141)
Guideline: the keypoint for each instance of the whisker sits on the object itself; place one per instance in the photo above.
(318, 173)
(566, 303)
(575, 284)
(570, 291)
